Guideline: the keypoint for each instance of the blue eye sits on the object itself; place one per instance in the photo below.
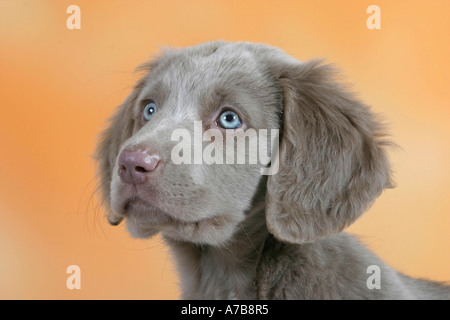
(149, 110)
(229, 120)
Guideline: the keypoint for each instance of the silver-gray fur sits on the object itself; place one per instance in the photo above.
(236, 234)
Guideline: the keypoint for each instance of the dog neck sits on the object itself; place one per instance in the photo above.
(225, 272)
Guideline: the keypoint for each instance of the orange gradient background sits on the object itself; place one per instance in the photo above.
(58, 87)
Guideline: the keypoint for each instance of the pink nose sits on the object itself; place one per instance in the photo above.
(135, 166)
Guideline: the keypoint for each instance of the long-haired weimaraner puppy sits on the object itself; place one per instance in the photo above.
(240, 226)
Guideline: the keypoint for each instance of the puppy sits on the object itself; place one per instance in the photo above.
(237, 229)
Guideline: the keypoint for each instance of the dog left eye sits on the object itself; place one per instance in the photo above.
(149, 110)
(229, 120)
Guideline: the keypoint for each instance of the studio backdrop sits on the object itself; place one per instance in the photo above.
(66, 65)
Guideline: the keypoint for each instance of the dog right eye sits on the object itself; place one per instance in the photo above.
(149, 110)
(229, 120)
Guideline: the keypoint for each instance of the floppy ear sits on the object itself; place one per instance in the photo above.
(120, 128)
(332, 156)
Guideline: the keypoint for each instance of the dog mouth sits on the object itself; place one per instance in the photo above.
(144, 219)
(145, 212)
(142, 211)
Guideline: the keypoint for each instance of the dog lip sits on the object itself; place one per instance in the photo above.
(142, 211)
(145, 212)
(114, 220)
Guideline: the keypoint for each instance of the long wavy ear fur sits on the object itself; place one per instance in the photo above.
(333, 162)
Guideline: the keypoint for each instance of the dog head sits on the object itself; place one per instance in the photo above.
(165, 161)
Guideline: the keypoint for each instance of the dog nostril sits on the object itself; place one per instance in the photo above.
(140, 169)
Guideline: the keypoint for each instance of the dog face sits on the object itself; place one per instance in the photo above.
(331, 157)
(189, 89)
